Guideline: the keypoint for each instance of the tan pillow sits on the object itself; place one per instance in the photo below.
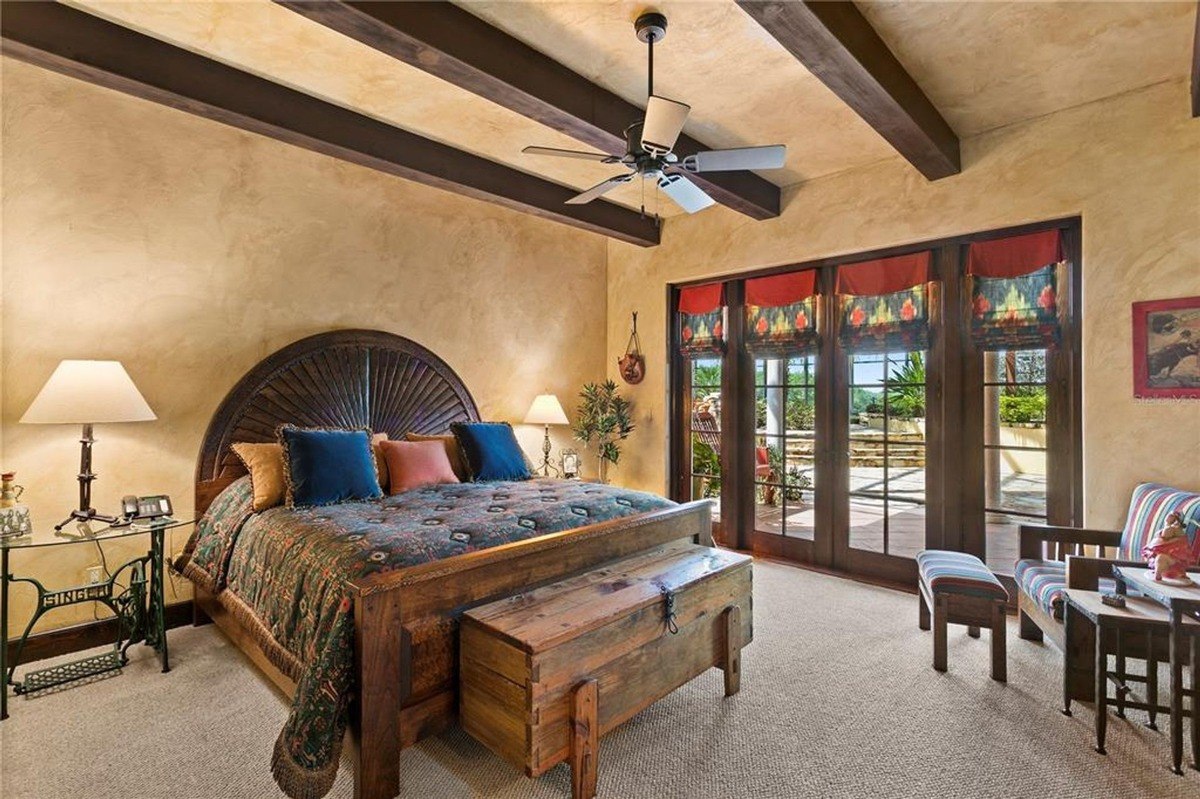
(381, 466)
(265, 464)
(452, 452)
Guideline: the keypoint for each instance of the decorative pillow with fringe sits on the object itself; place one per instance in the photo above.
(325, 466)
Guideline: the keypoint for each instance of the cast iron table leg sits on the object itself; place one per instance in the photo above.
(158, 598)
(1176, 633)
(1101, 690)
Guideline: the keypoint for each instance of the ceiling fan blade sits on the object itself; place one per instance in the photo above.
(602, 157)
(687, 195)
(599, 189)
(664, 123)
(771, 156)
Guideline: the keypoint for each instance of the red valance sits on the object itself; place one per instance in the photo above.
(701, 299)
(779, 290)
(884, 276)
(1015, 255)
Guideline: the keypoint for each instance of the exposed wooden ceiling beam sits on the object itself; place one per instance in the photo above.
(834, 41)
(1196, 66)
(76, 43)
(460, 48)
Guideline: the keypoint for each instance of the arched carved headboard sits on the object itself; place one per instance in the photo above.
(344, 378)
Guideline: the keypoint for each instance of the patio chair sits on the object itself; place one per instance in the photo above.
(706, 428)
(1053, 558)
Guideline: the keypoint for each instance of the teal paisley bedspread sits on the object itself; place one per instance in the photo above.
(287, 570)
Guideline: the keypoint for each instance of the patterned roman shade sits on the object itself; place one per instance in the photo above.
(884, 304)
(1014, 291)
(702, 320)
(781, 318)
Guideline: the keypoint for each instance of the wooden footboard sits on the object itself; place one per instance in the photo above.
(406, 624)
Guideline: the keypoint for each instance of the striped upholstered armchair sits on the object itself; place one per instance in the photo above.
(1051, 558)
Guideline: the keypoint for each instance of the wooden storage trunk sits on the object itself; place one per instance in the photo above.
(523, 658)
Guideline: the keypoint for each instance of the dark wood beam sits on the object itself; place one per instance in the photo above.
(456, 46)
(78, 44)
(1196, 66)
(834, 41)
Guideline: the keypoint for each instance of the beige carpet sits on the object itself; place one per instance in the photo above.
(838, 700)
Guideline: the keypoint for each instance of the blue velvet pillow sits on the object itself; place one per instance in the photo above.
(327, 466)
(491, 451)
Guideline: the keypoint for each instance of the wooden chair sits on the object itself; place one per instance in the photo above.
(706, 428)
(1053, 558)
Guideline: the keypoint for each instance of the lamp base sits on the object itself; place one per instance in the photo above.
(547, 466)
(83, 517)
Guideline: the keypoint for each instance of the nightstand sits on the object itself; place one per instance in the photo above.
(133, 592)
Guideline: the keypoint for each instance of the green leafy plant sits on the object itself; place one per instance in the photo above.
(603, 417)
(907, 401)
(1023, 408)
(794, 479)
(705, 461)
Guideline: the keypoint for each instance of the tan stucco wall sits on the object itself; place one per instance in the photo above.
(189, 251)
(1129, 165)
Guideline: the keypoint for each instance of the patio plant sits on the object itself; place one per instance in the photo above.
(907, 401)
(706, 462)
(603, 417)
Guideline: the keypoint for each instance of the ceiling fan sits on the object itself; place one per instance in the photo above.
(649, 144)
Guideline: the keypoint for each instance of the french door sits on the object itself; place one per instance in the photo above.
(855, 458)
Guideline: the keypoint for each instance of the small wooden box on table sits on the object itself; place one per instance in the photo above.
(545, 673)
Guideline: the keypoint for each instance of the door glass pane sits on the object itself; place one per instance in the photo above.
(1014, 451)
(887, 453)
(705, 430)
(784, 441)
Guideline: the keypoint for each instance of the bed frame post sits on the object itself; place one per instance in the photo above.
(375, 714)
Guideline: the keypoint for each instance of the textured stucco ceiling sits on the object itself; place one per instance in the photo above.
(989, 64)
(983, 64)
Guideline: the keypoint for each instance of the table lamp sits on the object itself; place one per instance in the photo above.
(546, 410)
(87, 393)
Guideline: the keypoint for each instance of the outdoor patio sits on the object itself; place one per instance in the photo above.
(906, 520)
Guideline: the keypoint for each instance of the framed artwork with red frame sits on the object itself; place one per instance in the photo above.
(1166, 349)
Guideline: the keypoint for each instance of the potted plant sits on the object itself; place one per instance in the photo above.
(603, 416)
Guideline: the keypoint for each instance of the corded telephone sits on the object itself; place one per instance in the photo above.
(152, 507)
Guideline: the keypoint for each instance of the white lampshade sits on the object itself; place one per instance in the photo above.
(546, 409)
(88, 392)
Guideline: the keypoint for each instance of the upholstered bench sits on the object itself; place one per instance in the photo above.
(962, 590)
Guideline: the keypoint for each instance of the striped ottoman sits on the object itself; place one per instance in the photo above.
(961, 590)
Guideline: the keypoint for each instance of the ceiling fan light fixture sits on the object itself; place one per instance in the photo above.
(664, 123)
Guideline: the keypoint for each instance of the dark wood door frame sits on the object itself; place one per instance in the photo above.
(954, 369)
(83, 46)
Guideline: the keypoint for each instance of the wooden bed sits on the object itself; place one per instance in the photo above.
(406, 622)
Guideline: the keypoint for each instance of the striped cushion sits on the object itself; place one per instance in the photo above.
(1045, 580)
(958, 573)
(1149, 508)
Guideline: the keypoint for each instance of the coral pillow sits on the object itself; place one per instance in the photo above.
(452, 452)
(414, 464)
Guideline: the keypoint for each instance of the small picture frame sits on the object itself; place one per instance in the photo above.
(570, 464)
(1166, 349)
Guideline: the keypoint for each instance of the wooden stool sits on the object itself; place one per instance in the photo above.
(962, 590)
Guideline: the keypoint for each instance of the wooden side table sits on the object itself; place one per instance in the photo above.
(1183, 608)
(139, 606)
(1113, 631)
